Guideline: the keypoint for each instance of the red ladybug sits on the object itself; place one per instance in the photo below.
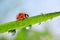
(21, 16)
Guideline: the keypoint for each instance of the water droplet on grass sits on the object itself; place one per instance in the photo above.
(12, 31)
(39, 23)
(29, 27)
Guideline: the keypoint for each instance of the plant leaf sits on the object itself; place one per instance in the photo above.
(27, 21)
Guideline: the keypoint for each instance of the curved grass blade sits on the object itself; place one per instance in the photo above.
(27, 21)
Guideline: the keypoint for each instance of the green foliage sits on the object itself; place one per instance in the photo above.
(27, 21)
(3, 38)
(24, 34)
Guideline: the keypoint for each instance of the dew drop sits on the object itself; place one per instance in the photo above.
(29, 27)
(39, 23)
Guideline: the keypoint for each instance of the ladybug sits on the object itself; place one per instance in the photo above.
(20, 16)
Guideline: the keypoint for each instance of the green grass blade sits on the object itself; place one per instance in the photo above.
(27, 21)
(21, 35)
